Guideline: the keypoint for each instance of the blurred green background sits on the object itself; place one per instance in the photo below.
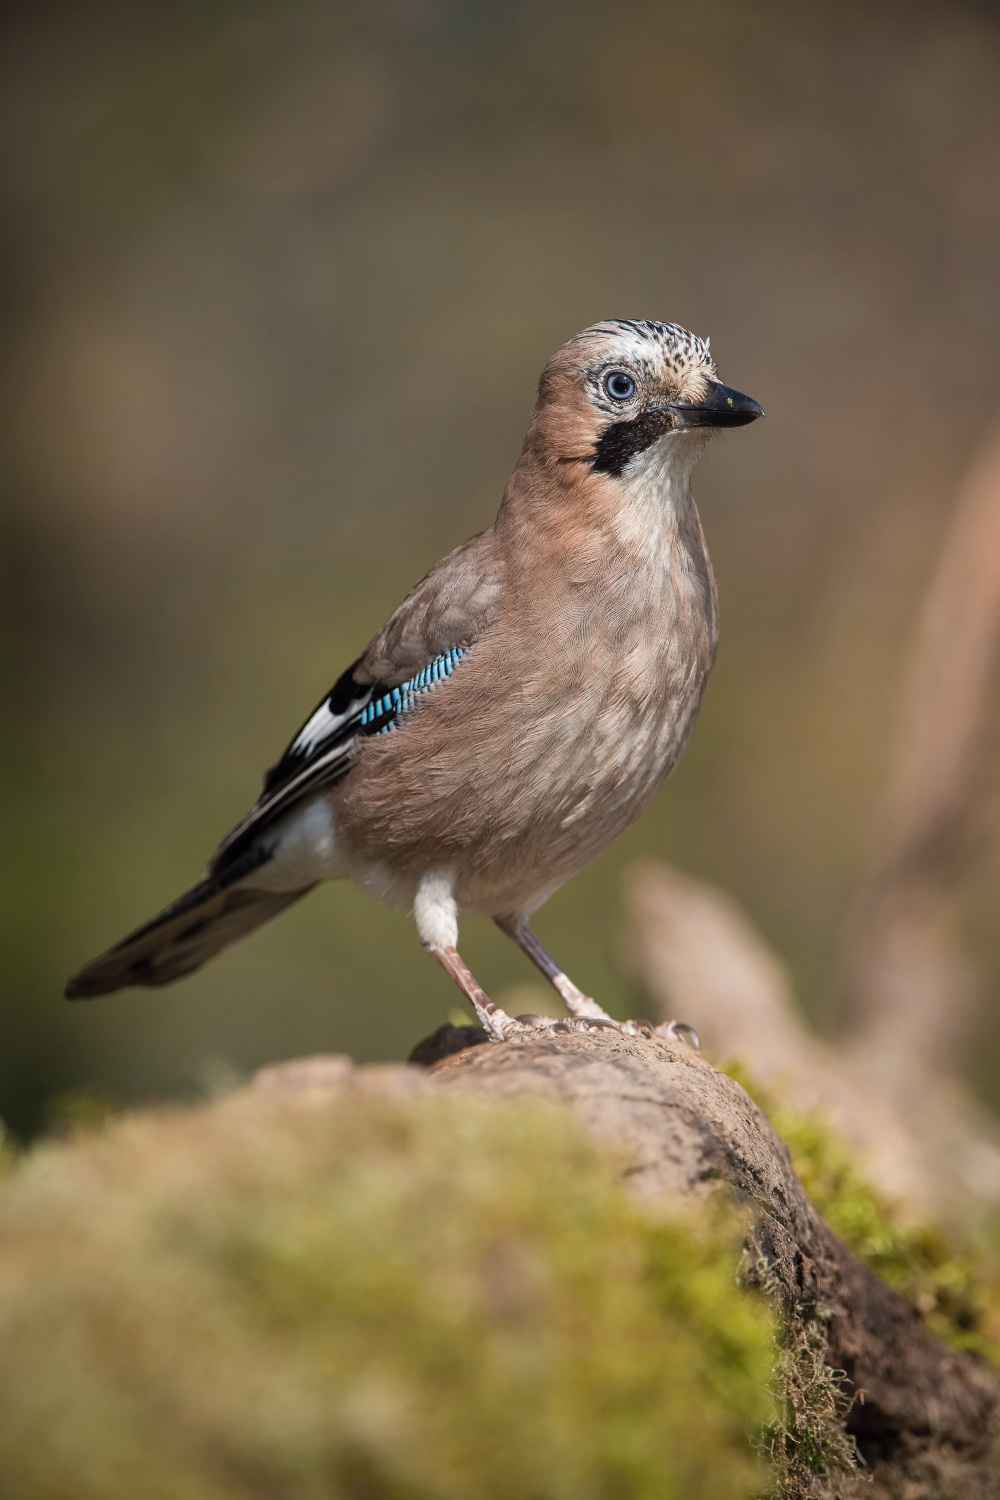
(279, 281)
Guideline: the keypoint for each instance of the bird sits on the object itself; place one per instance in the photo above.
(520, 708)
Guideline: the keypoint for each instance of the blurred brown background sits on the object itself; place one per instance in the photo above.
(279, 282)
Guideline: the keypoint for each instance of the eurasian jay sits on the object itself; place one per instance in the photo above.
(521, 707)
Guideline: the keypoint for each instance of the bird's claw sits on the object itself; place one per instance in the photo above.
(568, 1023)
(679, 1031)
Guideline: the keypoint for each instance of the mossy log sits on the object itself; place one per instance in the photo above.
(351, 1284)
(406, 1283)
(923, 1415)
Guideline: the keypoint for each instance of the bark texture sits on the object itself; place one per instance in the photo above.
(924, 1415)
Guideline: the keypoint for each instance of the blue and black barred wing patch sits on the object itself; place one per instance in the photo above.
(388, 705)
(321, 754)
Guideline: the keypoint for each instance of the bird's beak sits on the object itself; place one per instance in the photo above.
(719, 407)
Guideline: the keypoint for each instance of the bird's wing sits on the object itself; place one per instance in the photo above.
(450, 606)
(419, 646)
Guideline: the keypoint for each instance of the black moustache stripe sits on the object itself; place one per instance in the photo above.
(623, 440)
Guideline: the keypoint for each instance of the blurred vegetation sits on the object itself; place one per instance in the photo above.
(953, 1281)
(376, 1295)
(279, 281)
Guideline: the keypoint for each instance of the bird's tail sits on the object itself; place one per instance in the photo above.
(213, 914)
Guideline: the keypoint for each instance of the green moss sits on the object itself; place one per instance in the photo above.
(79, 1109)
(955, 1287)
(8, 1153)
(367, 1296)
(809, 1438)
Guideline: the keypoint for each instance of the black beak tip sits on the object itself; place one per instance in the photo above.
(733, 409)
(720, 407)
(747, 413)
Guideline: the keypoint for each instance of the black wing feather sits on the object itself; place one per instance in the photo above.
(322, 752)
(318, 755)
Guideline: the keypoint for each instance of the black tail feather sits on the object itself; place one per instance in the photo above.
(206, 919)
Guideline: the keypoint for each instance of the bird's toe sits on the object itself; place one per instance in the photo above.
(639, 1027)
(679, 1031)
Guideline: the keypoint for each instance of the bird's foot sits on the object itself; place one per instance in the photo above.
(673, 1030)
(587, 1015)
(500, 1027)
(504, 1028)
(565, 1024)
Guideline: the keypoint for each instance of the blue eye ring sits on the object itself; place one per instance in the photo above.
(619, 385)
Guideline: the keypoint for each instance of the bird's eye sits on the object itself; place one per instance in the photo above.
(619, 386)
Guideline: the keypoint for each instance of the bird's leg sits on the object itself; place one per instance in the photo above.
(497, 1023)
(577, 1003)
(435, 914)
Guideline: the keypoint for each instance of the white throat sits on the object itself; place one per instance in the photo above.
(655, 490)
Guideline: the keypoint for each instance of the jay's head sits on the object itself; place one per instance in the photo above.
(620, 389)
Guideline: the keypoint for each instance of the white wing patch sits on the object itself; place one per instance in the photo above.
(322, 724)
